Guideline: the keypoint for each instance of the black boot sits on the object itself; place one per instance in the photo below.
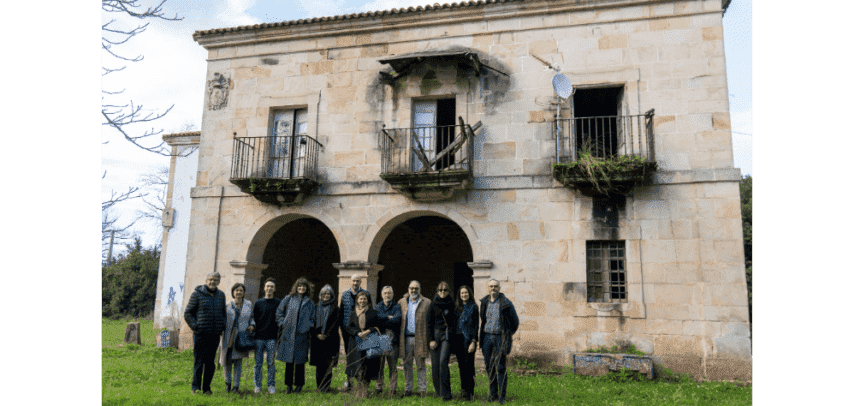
(298, 388)
(289, 388)
(228, 388)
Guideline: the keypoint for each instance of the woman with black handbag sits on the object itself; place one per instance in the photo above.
(363, 321)
(240, 321)
(325, 340)
(441, 325)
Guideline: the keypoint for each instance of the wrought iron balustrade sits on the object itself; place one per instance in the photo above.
(283, 158)
(427, 149)
(605, 136)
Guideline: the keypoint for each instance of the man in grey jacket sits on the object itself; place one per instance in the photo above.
(414, 343)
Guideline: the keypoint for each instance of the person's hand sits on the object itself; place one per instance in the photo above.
(432, 345)
(251, 328)
(472, 347)
(390, 317)
(364, 334)
(321, 337)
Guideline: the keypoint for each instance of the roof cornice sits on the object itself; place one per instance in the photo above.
(412, 17)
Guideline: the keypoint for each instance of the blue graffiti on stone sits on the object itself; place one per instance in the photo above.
(165, 339)
(171, 296)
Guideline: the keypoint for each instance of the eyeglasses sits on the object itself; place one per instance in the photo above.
(443, 290)
(413, 288)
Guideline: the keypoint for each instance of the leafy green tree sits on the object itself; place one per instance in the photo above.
(128, 283)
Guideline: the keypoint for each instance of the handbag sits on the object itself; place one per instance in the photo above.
(374, 345)
(244, 341)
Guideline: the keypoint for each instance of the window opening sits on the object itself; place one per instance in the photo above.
(434, 129)
(606, 271)
(596, 113)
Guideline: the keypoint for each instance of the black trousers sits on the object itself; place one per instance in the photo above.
(299, 374)
(205, 346)
(466, 364)
(324, 375)
(439, 359)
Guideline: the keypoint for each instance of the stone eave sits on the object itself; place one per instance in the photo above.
(370, 22)
(183, 138)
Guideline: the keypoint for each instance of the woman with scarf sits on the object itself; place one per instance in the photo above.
(325, 340)
(466, 339)
(441, 327)
(362, 322)
(239, 318)
(295, 317)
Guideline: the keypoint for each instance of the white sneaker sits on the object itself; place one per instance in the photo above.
(257, 389)
(271, 390)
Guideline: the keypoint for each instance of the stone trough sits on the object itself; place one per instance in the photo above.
(597, 364)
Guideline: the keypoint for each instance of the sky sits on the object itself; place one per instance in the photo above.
(173, 70)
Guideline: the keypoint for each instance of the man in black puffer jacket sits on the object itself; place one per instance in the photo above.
(206, 315)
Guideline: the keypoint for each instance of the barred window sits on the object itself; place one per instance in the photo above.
(607, 274)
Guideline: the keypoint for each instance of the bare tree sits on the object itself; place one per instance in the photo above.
(155, 183)
(122, 116)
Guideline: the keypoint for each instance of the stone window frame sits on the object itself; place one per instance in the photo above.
(609, 254)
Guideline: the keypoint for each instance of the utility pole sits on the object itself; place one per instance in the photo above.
(110, 246)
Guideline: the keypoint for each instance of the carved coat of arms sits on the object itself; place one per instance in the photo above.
(219, 87)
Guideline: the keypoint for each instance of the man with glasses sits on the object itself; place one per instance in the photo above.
(499, 322)
(414, 337)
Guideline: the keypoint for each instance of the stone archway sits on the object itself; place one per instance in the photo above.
(291, 246)
(428, 248)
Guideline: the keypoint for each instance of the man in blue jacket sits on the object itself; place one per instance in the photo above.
(499, 322)
(206, 315)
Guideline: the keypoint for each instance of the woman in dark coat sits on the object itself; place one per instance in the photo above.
(325, 340)
(441, 326)
(296, 319)
(362, 322)
(465, 340)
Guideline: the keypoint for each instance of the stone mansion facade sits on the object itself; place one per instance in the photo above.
(439, 143)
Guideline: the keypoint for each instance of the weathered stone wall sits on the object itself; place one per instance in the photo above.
(687, 300)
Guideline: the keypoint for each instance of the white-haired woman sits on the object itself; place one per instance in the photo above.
(325, 340)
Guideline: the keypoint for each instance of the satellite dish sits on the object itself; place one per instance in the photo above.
(561, 85)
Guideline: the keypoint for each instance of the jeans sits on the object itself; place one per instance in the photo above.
(392, 370)
(439, 358)
(407, 367)
(496, 363)
(466, 364)
(269, 347)
(205, 346)
(232, 365)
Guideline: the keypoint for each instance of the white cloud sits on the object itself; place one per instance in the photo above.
(322, 8)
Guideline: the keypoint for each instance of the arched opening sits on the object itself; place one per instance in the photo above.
(303, 247)
(429, 249)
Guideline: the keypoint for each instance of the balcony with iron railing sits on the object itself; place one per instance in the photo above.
(279, 170)
(428, 163)
(604, 156)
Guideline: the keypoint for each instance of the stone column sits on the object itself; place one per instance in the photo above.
(480, 275)
(248, 273)
(368, 271)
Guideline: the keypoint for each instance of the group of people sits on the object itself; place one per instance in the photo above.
(295, 331)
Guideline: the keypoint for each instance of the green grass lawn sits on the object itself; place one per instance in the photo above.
(145, 375)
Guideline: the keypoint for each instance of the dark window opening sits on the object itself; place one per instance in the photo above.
(304, 247)
(606, 271)
(595, 112)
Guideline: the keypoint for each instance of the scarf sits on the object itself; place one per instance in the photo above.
(323, 310)
(362, 320)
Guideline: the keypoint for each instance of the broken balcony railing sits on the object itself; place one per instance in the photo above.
(605, 137)
(275, 169)
(427, 157)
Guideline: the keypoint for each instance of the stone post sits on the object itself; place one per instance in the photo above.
(480, 275)
(368, 271)
(132, 333)
(248, 273)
